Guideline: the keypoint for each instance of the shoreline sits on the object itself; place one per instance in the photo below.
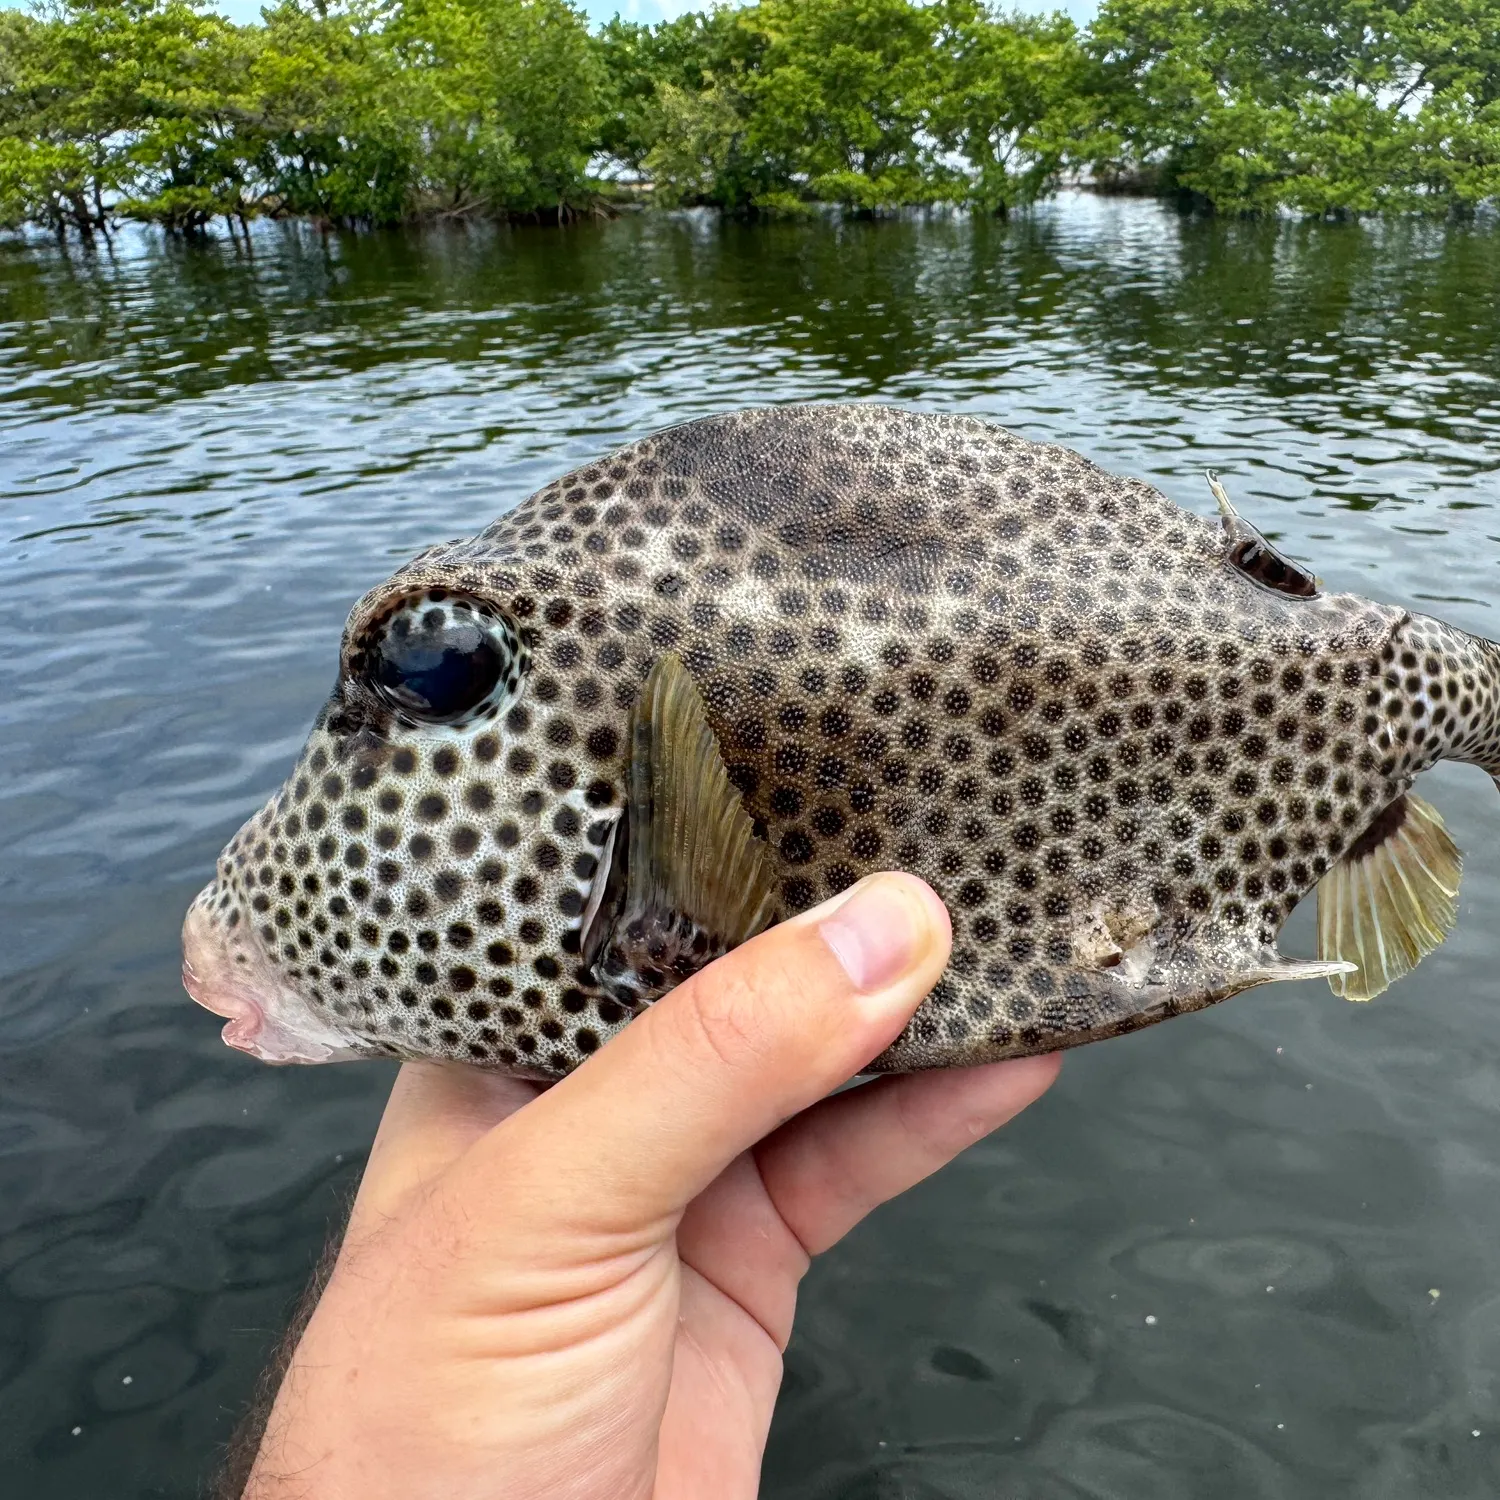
(238, 227)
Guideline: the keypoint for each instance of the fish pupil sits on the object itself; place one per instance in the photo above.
(439, 670)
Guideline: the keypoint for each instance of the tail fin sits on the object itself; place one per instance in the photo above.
(1441, 689)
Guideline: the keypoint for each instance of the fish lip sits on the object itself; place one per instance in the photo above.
(254, 1025)
(199, 989)
(243, 1012)
(245, 1020)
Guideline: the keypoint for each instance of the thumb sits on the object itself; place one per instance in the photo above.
(637, 1132)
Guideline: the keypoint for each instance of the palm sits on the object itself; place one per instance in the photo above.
(706, 1312)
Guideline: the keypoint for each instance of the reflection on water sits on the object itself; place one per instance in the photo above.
(1205, 1265)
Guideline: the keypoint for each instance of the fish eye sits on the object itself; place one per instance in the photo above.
(443, 660)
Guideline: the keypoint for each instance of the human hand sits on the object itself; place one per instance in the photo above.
(589, 1296)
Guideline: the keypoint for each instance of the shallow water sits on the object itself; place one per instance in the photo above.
(1252, 1254)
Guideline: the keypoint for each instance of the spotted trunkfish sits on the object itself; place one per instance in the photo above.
(717, 676)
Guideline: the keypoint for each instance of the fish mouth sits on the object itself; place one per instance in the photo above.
(244, 1012)
(227, 974)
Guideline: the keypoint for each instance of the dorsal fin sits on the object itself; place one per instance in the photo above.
(1251, 554)
(697, 881)
(1391, 899)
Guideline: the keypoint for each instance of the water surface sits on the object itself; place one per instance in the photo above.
(1252, 1254)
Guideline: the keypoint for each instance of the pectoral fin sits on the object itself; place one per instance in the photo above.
(697, 881)
(1391, 899)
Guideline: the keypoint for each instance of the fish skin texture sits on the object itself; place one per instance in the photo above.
(921, 642)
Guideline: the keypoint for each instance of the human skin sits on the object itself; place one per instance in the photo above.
(585, 1291)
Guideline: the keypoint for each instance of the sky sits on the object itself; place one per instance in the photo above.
(655, 10)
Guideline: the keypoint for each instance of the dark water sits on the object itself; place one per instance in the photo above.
(206, 454)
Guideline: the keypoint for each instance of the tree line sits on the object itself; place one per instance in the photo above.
(383, 111)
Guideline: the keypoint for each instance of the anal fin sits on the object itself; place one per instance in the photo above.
(1391, 899)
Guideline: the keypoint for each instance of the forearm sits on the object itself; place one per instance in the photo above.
(233, 1473)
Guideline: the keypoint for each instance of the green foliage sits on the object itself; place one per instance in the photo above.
(868, 103)
(69, 85)
(369, 111)
(510, 94)
(695, 137)
(840, 99)
(1319, 105)
(377, 111)
(328, 123)
(694, 54)
(1013, 96)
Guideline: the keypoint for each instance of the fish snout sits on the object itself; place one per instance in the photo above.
(227, 972)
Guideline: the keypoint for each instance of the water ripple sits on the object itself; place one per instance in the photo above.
(1203, 1266)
